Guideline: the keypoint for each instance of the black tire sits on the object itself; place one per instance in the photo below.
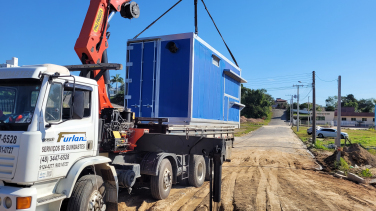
(309, 133)
(161, 185)
(342, 137)
(84, 191)
(321, 135)
(197, 171)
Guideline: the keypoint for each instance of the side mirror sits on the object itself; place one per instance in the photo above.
(78, 105)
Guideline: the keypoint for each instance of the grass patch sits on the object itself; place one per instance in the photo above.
(367, 138)
(342, 165)
(302, 134)
(248, 127)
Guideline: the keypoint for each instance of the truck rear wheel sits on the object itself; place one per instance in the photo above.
(87, 194)
(161, 185)
(197, 171)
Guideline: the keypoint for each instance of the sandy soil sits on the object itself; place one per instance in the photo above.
(270, 170)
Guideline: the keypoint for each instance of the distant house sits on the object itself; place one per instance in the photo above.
(10, 63)
(351, 118)
(280, 103)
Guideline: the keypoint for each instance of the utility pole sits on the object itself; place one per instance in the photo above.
(309, 113)
(338, 139)
(297, 99)
(291, 104)
(291, 111)
(313, 108)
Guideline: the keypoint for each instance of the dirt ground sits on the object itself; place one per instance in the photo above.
(270, 170)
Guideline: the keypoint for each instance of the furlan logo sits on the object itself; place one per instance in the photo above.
(72, 137)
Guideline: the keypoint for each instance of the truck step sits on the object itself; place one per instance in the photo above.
(50, 198)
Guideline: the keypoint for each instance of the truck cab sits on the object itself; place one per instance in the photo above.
(44, 134)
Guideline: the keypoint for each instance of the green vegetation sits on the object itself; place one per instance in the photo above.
(342, 165)
(367, 138)
(372, 151)
(257, 103)
(247, 127)
(362, 105)
(365, 173)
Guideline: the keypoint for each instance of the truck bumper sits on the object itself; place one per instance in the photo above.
(13, 193)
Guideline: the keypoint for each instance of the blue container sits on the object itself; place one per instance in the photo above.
(184, 79)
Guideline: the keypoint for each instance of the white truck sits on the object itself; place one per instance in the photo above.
(64, 147)
(57, 152)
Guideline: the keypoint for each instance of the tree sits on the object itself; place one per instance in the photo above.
(330, 108)
(366, 105)
(351, 104)
(257, 102)
(117, 79)
(332, 101)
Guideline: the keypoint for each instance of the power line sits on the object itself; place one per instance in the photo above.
(277, 82)
(306, 95)
(326, 81)
(285, 76)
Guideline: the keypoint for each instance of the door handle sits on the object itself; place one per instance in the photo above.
(149, 106)
(136, 106)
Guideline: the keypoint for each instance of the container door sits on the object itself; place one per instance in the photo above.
(142, 71)
(148, 80)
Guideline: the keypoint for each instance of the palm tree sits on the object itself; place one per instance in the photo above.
(117, 79)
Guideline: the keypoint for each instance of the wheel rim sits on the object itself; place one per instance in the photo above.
(200, 171)
(167, 179)
(96, 202)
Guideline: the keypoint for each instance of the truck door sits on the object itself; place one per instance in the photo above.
(64, 139)
(142, 63)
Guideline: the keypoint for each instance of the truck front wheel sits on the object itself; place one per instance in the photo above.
(87, 194)
(197, 171)
(161, 185)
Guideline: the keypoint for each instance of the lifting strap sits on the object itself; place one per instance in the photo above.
(233, 58)
(196, 27)
(158, 19)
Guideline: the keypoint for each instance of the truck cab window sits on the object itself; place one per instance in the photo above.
(53, 108)
(67, 102)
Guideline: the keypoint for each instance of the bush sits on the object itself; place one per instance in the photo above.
(366, 173)
(342, 165)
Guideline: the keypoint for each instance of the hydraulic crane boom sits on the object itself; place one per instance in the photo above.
(92, 43)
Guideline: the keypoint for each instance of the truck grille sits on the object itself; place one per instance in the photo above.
(8, 164)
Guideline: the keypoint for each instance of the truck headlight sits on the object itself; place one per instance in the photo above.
(23, 202)
(7, 202)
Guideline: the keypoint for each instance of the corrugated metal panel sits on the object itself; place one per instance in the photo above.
(208, 85)
(135, 57)
(174, 80)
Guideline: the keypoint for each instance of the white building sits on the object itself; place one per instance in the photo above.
(10, 63)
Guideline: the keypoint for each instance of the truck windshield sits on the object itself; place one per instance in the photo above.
(17, 103)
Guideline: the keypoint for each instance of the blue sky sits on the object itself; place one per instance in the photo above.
(276, 42)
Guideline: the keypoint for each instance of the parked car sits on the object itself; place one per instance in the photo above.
(309, 130)
(328, 132)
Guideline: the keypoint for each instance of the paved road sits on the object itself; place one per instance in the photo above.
(277, 135)
(269, 170)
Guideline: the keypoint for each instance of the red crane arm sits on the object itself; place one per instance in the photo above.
(92, 41)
